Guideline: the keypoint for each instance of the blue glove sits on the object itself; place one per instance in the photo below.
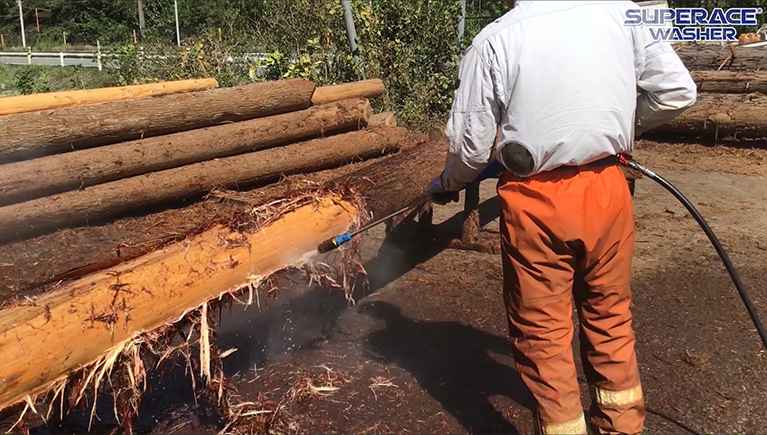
(493, 170)
(438, 193)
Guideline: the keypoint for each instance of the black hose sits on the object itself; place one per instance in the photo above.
(711, 236)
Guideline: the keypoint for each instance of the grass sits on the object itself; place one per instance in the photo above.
(15, 80)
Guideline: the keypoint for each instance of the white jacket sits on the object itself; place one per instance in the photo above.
(561, 78)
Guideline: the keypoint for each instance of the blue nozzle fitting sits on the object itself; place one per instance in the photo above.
(342, 239)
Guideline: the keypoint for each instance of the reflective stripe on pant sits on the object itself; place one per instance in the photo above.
(571, 232)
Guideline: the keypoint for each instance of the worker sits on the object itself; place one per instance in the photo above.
(567, 86)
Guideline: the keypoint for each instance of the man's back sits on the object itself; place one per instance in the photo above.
(559, 79)
(570, 69)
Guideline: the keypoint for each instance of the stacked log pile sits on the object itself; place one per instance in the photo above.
(88, 163)
(732, 95)
(104, 165)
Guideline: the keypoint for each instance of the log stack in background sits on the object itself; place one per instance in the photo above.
(84, 164)
(732, 96)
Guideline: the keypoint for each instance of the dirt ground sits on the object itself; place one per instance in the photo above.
(425, 348)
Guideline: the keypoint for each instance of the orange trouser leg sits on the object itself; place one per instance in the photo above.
(604, 308)
(564, 229)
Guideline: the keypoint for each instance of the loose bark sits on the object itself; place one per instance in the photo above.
(28, 135)
(712, 57)
(363, 89)
(112, 199)
(81, 322)
(55, 100)
(23, 181)
(715, 117)
(731, 82)
(383, 119)
(395, 182)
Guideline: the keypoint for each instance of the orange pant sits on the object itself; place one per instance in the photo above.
(565, 233)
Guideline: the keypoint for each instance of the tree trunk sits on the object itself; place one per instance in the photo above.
(28, 135)
(84, 322)
(363, 89)
(730, 82)
(718, 116)
(712, 57)
(383, 119)
(55, 100)
(23, 181)
(133, 194)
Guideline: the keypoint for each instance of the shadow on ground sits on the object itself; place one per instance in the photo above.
(453, 363)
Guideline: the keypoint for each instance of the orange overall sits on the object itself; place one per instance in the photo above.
(568, 235)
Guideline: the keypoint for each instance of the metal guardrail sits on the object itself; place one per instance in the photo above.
(84, 59)
(95, 59)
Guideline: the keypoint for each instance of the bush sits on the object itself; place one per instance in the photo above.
(32, 80)
(308, 40)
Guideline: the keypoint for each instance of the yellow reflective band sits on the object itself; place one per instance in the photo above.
(573, 427)
(607, 398)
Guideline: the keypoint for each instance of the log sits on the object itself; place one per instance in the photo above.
(730, 82)
(362, 89)
(716, 116)
(120, 197)
(55, 100)
(78, 324)
(383, 119)
(23, 181)
(28, 135)
(712, 57)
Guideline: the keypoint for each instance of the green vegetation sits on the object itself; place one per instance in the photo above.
(33, 79)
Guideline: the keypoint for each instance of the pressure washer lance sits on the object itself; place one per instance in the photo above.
(630, 163)
(340, 240)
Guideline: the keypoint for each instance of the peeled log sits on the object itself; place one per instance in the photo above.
(362, 89)
(383, 119)
(54, 100)
(112, 199)
(23, 181)
(713, 56)
(716, 116)
(730, 82)
(28, 135)
(77, 324)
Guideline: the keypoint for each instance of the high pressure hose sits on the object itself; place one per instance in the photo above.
(744, 296)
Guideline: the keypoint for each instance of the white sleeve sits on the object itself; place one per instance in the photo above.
(473, 122)
(666, 88)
